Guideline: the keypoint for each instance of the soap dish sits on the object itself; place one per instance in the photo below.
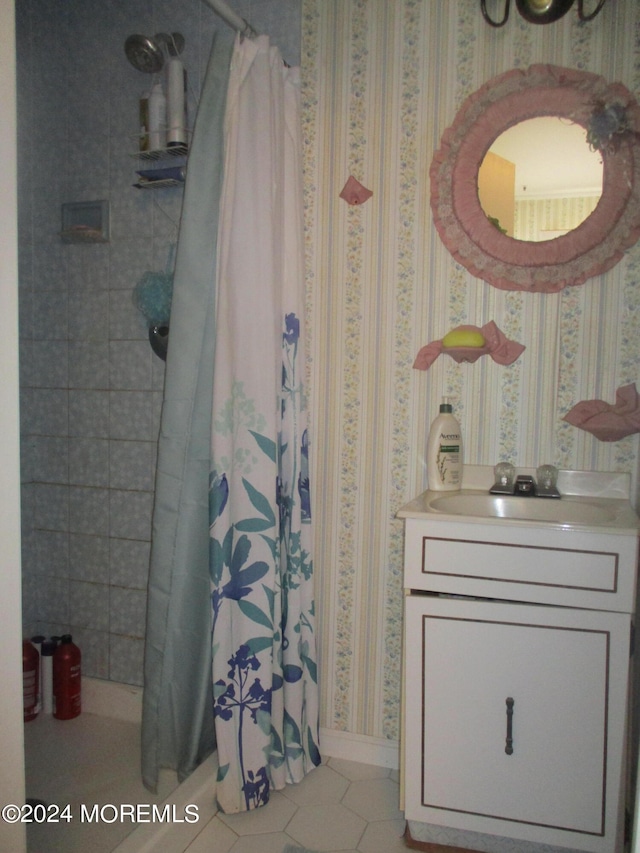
(497, 346)
(465, 354)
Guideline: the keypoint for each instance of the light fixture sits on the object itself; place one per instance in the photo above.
(541, 11)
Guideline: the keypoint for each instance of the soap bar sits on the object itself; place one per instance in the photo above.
(463, 336)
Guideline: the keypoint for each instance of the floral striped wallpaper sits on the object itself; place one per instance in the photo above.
(381, 82)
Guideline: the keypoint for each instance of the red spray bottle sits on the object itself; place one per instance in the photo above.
(66, 679)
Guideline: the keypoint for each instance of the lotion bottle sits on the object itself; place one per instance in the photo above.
(444, 451)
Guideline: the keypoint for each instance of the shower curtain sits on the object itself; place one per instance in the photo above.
(177, 711)
(233, 456)
(264, 659)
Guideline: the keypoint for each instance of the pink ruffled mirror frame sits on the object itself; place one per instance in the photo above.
(589, 250)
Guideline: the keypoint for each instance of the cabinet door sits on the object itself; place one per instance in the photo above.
(550, 681)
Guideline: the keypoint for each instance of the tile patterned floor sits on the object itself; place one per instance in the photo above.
(340, 806)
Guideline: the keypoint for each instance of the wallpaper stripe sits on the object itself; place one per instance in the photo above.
(381, 82)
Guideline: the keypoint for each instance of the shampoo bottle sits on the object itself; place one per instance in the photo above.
(176, 103)
(157, 119)
(444, 451)
(144, 122)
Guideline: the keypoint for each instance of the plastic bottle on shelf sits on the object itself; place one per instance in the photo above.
(143, 121)
(157, 118)
(176, 103)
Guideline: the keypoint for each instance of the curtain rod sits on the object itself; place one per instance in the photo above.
(230, 17)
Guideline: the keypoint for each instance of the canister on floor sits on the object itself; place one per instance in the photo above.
(66, 679)
(30, 680)
(47, 648)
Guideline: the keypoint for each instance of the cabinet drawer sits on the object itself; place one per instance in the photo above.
(519, 564)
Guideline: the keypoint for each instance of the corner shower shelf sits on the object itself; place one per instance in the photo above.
(161, 153)
(170, 153)
(159, 184)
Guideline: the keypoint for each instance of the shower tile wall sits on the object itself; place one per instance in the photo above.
(91, 386)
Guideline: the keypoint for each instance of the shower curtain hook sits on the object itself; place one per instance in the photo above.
(172, 43)
(176, 45)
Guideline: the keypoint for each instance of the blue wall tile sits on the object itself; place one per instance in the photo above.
(91, 393)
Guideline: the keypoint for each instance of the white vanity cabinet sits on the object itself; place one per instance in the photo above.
(565, 672)
(517, 658)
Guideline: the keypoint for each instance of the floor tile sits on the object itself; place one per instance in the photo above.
(326, 827)
(215, 836)
(373, 799)
(270, 818)
(274, 842)
(322, 785)
(384, 836)
(354, 771)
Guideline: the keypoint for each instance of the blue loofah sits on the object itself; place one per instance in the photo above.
(152, 296)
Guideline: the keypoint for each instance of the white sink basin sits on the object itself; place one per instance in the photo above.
(564, 511)
(591, 500)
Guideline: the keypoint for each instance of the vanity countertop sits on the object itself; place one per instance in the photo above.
(591, 501)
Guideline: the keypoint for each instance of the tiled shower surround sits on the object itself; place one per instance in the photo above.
(91, 386)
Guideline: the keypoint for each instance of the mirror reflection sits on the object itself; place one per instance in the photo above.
(540, 180)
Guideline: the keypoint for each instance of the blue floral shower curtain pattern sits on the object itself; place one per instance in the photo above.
(264, 657)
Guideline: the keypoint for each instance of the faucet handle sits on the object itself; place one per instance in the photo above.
(505, 479)
(547, 476)
(504, 473)
(547, 481)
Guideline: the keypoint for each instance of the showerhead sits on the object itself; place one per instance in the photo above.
(144, 54)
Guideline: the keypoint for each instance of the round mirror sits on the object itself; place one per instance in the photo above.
(543, 11)
(540, 179)
(607, 114)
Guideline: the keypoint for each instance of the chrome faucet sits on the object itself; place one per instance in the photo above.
(508, 483)
(525, 486)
